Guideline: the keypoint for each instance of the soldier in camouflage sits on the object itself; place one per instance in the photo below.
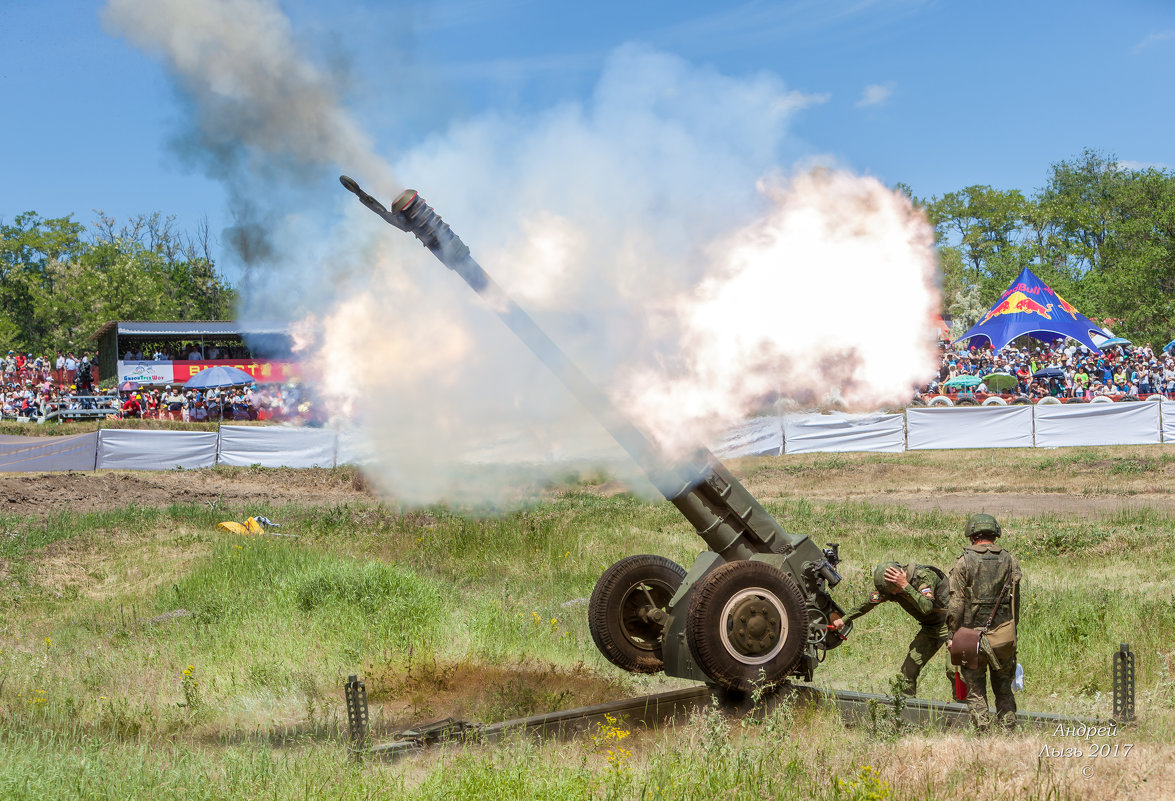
(977, 581)
(921, 591)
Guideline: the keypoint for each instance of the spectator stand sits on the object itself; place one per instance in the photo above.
(157, 353)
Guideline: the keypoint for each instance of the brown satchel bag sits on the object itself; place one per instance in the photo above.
(965, 643)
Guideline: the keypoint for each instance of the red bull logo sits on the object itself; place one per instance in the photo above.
(1019, 303)
(1066, 307)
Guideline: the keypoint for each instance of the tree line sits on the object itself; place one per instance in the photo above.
(1100, 233)
(61, 280)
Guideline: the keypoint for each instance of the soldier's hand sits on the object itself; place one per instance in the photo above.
(896, 577)
(837, 624)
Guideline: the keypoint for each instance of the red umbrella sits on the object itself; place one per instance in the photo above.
(128, 386)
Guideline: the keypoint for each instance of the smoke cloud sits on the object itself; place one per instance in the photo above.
(648, 229)
(263, 119)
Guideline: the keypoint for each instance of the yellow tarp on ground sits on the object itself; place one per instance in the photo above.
(250, 526)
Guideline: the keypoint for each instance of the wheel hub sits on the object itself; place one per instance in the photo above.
(639, 619)
(755, 626)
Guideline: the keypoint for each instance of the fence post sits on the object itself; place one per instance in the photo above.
(1123, 663)
(356, 695)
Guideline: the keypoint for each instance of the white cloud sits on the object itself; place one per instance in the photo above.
(1153, 38)
(1127, 164)
(875, 94)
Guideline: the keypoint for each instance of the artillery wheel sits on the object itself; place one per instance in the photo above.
(743, 618)
(619, 608)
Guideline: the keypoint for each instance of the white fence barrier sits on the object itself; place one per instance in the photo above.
(129, 449)
(277, 446)
(969, 427)
(756, 437)
(1167, 414)
(841, 433)
(1068, 425)
(1098, 424)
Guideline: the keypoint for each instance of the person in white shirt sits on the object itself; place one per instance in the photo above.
(71, 369)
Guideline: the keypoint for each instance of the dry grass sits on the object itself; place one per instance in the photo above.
(117, 563)
(1070, 470)
(1085, 481)
(1012, 767)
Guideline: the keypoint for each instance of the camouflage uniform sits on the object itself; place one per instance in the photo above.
(976, 581)
(917, 598)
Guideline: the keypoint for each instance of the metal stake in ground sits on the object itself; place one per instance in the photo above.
(1123, 684)
(356, 695)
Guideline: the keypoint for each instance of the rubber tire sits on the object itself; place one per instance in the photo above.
(1130, 399)
(940, 400)
(1022, 400)
(967, 400)
(1049, 400)
(1101, 399)
(604, 609)
(994, 400)
(704, 623)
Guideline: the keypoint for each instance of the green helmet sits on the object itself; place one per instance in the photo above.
(879, 576)
(982, 524)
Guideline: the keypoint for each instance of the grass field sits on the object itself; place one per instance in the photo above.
(144, 653)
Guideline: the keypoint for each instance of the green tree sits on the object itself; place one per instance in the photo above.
(980, 235)
(1135, 279)
(60, 282)
(27, 249)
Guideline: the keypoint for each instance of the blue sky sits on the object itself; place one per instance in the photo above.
(937, 95)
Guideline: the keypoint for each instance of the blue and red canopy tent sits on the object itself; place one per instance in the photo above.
(1030, 307)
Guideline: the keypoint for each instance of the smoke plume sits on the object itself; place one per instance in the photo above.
(648, 229)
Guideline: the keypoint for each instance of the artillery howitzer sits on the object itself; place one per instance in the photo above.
(754, 607)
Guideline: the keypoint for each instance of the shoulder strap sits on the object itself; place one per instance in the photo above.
(995, 608)
(936, 571)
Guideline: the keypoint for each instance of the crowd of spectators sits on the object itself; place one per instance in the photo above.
(44, 399)
(189, 351)
(1079, 373)
(44, 387)
(35, 386)
(23, 370)
(265, 402)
